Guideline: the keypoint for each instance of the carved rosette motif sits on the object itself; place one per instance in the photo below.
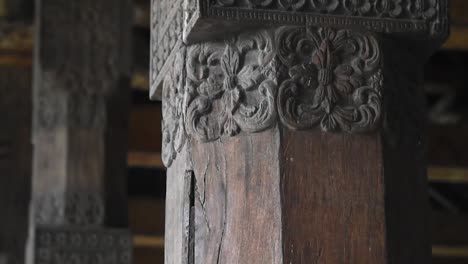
(334, 82)
(173, 105)
(231, 87)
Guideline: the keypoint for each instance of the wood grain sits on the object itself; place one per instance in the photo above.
(332, 198)
(237, 200)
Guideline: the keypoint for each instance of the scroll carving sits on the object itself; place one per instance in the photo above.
(334, 82)
(173, 127)
(231, 87)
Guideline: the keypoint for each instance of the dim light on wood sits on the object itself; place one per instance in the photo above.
(140, 81)
(3, 10)
(458, 39)
(448, 175)
(18, 39)
(14, 60)
(450, 251)
(142, 241)
(145, 160)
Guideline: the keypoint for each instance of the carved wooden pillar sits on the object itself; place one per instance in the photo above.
(82, 69)
(292, 129)
(15, 160)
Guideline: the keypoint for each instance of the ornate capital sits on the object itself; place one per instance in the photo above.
(299, 77)
(245, 66)
(193, 21)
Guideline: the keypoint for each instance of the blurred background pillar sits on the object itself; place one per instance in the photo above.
(15, 132)
(80, 104)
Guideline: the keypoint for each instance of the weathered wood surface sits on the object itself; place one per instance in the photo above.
(333, 208)
(177, 212)
(237, 200)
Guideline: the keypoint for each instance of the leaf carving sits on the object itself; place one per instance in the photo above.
(245, 98)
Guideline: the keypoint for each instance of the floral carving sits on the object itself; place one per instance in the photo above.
(359, 7)
(251, 3)
(391, 8)
(325, 5)
(334, 79)
(291, 4)
(426, 9)
(173, 129)
(231, 87)
(255, 3)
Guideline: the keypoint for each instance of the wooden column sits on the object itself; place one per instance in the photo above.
(292, 129)
(15, 132)
(15, 160)
(82, 69)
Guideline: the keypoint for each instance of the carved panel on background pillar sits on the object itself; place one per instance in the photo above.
(70, 209)
(85, 65)
(82, 246)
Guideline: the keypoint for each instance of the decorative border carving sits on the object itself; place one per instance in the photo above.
(82, 246)
(378, 15)
(69, 209)
(334, 81)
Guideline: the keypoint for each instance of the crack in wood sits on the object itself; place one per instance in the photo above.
(191, 235)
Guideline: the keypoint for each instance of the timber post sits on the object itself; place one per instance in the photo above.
(82, 66)
(15, 160)
(292, 130)
(15, 134)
